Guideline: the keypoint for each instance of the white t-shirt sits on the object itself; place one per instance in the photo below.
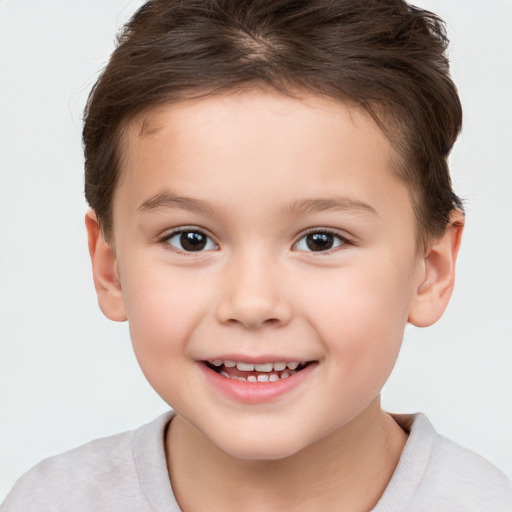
(128, 473)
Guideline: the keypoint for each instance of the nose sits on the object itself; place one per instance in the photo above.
(253, 294)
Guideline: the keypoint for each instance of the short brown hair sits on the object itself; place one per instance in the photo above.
(383, 55)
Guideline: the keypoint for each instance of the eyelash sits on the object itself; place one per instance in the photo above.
(324, 231)
(209, 241)
(167, 240)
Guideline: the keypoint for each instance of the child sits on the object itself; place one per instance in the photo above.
(271, 205)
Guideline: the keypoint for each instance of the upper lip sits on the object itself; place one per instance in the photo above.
(262, 359)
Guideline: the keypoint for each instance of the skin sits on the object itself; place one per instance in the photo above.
(260, 170)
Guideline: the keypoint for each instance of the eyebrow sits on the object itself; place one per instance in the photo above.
(169, 200)
(330, 203)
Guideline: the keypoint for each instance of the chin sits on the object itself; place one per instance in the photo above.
(261, 446)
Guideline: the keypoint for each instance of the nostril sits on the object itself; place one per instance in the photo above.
(253, 322)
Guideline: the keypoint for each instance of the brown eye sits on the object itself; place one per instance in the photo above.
(191, 241)
(319, 241)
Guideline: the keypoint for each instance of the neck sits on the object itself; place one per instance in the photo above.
(347, 470)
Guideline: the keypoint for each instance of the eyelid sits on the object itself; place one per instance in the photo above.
(346, 240)
(184, 229)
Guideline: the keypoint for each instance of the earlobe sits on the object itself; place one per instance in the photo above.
(105, 272)
(435, 289)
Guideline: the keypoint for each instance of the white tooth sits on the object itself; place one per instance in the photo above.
(229, 364)
(267, 367)
(225, 374)
(245, 367)
(279, 367)
(217, 362)
(273, 377)
(252, 378)
(243, 379)
(263, 378)
(285, 374)
(293, 365)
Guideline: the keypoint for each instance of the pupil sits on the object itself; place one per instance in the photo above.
(319, 241)
(192, 241)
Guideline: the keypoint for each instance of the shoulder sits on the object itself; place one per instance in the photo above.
(100, 475)
(478, 484)
(435, 473)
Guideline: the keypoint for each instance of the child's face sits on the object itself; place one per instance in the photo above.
(256, 228)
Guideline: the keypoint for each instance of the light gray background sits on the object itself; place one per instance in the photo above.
(68, 375)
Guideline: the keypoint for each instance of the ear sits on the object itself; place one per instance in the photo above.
(105, 272)
(438, 267)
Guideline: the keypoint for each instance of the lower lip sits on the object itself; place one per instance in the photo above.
(256, 392)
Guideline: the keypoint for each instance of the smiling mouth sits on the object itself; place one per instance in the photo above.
(251, 372)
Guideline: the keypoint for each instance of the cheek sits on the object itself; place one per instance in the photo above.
(361, 299)
(162, 314)
(360, 315)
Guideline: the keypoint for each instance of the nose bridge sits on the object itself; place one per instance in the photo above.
(253, 294)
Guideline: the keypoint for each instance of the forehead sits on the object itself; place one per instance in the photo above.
(262, 141)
